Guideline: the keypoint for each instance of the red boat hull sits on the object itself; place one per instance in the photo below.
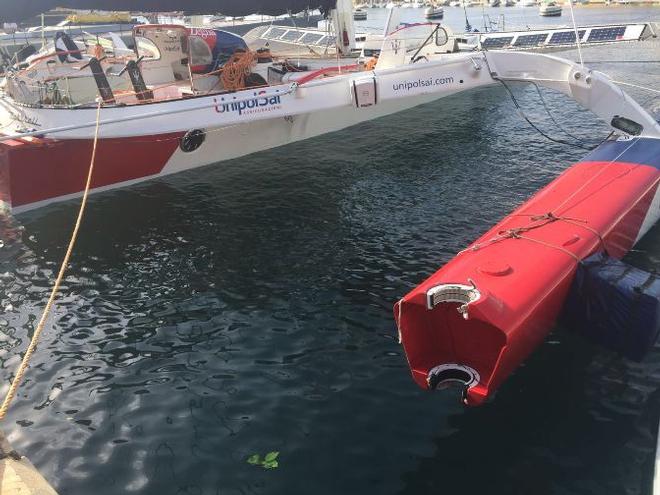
(35, 170)
(480, 316)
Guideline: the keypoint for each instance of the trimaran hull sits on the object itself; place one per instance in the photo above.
(42, 171)
(45, 152)
(143, 142)
(479, 317)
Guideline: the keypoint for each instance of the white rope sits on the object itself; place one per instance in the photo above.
(577, 37)
(533, 79)
(652, 90)
(593, 177)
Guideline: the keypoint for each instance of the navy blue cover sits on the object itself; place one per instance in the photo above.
(226, 44)
(615, 305)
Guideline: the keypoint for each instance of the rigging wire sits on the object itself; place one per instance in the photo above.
(645, 88)
(577, 34)
(550, 138)
(547, 110)
(593, 62)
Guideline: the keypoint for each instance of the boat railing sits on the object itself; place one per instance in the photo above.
(80, 87)
(39, 93)
(52, 55)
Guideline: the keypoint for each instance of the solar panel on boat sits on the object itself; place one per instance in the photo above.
(291, 35)
(274, 33)
(565, 37)
(325, 40)
(311, 38)
(606, 34)
(530, 39)
(496, 42)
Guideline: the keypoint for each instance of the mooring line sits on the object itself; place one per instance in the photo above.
(13, 388)
(645, 88)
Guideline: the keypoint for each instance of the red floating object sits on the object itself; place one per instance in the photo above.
(480, 316)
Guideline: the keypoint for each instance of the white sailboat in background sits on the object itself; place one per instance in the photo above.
(549, 8)
(433, 13)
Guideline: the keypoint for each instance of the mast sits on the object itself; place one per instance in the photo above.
(342, 17)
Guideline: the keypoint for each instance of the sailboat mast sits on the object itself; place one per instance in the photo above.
(342, 17)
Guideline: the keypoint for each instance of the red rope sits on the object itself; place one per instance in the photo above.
(324, 71)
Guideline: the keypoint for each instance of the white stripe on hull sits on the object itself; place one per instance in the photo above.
(652, 216)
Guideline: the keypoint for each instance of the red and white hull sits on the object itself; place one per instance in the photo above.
(37, 171)
(480, 316)
(142, 142)
(45, 151)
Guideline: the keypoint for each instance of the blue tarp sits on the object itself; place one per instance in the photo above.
(615, 305)
(226, 45)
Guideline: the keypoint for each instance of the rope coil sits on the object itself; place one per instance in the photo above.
(237, 68)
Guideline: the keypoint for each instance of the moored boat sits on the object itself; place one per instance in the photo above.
(479, 317)
(100, 17)
(550, 9)
(192, 97)
(434, 13)
(189, 97)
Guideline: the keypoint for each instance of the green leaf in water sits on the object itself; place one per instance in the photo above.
(271, 456)
(268, 462)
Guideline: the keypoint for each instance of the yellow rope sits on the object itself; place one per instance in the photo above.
(11, 393)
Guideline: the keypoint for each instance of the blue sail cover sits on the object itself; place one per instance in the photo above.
(15, 10)
(615, 305)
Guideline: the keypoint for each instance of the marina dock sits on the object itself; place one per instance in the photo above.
(17, 474)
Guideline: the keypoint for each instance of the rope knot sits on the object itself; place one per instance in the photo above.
(551, 217)
(511, 233)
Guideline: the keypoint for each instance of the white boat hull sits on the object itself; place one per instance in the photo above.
(142, 142)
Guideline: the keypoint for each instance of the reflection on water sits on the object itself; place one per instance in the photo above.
(246, 308)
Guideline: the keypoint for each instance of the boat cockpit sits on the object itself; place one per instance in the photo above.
(170, 62)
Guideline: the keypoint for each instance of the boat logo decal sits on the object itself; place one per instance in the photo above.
(422, 83)
(24, 118)
(261, 103)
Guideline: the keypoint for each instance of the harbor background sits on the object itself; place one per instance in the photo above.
(247, 308)
(518, 17)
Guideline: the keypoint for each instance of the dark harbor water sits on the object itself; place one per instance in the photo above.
(246, 308)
